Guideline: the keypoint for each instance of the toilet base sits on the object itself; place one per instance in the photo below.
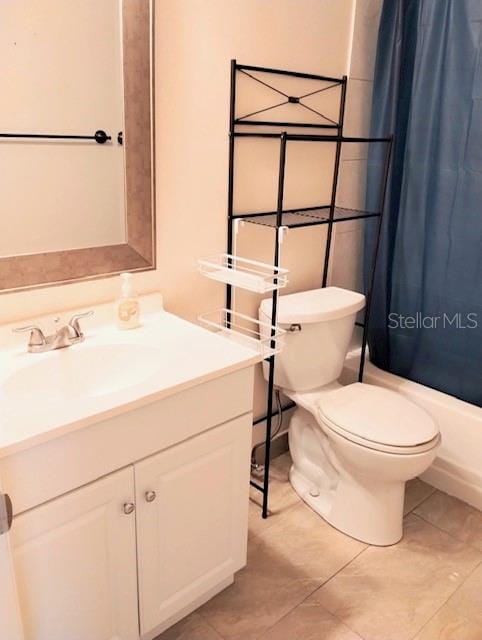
(371, 514)
(359, 491)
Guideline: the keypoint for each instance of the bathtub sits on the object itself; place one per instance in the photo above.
(457, 470)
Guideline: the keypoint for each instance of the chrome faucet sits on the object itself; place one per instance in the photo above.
(66, 336)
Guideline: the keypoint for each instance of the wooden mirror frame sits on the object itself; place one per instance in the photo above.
(138, 253)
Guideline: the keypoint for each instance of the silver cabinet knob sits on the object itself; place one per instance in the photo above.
(150, 496)
(129, 507)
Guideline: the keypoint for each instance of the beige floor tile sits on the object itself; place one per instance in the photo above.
(308, 545)
(286, 563)
(390, 593)
(281, 465)
(451, 625)
(256, 523)
(461, 617)
(454, 516)
(194, 627)
(469, 597)
(265, 591)
(310, 622)
(416, 491)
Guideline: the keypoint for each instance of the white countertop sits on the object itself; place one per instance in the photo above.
(188, 355)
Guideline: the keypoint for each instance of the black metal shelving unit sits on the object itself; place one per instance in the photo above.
(324, 214)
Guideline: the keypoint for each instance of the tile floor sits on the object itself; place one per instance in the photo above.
(306, 581)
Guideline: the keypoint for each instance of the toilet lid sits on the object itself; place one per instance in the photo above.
(378, 415)
(316, 305)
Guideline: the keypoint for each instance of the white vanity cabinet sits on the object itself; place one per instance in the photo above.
(123, 527)
(75, 564)
(191, 520)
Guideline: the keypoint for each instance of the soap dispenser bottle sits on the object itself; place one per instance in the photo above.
(127, 307)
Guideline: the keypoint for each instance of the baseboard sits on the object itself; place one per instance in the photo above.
(456, 481)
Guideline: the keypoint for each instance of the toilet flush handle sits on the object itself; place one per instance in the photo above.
(295, 327)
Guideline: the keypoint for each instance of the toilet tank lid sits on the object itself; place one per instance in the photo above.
(378, 415)
(316, 305)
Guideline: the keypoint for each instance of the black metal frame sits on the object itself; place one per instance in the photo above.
(328, 214)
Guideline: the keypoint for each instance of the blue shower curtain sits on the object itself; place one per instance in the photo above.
(426, 322)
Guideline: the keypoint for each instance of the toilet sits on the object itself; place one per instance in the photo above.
(353, 447)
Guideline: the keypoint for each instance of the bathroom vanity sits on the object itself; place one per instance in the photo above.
(126, 459)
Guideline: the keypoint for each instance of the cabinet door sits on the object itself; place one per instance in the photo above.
(191, 519)
(75, 564)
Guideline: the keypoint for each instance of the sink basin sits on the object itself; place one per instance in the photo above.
(83, 371)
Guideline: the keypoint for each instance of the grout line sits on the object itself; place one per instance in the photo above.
(479, 564)
(211, 627)
(316, 589)
(318, 603)
(368, 546)
(467, 544)
(285, 615)
(447, 600)
(434, 490)
(335, 574)
(331, 578)
(421, 502)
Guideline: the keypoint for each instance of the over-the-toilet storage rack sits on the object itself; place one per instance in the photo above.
(258, 277)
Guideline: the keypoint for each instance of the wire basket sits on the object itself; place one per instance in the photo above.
(251, 275)
(245, 330)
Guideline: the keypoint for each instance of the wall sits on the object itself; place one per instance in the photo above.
(195, 40)
(348, 243)
(60, 64)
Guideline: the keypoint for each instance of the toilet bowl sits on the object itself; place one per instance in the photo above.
(353, 447)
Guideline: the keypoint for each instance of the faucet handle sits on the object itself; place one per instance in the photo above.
(74, 322)
(37, 337)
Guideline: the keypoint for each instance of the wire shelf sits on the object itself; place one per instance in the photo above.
(245, 330)
(308, 217)
(251, 275)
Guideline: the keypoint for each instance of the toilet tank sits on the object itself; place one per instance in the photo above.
(319, 325)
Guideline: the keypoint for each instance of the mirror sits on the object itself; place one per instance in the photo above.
(76, 140)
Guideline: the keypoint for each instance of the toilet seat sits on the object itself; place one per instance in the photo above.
(379, 419)
(378, 446)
